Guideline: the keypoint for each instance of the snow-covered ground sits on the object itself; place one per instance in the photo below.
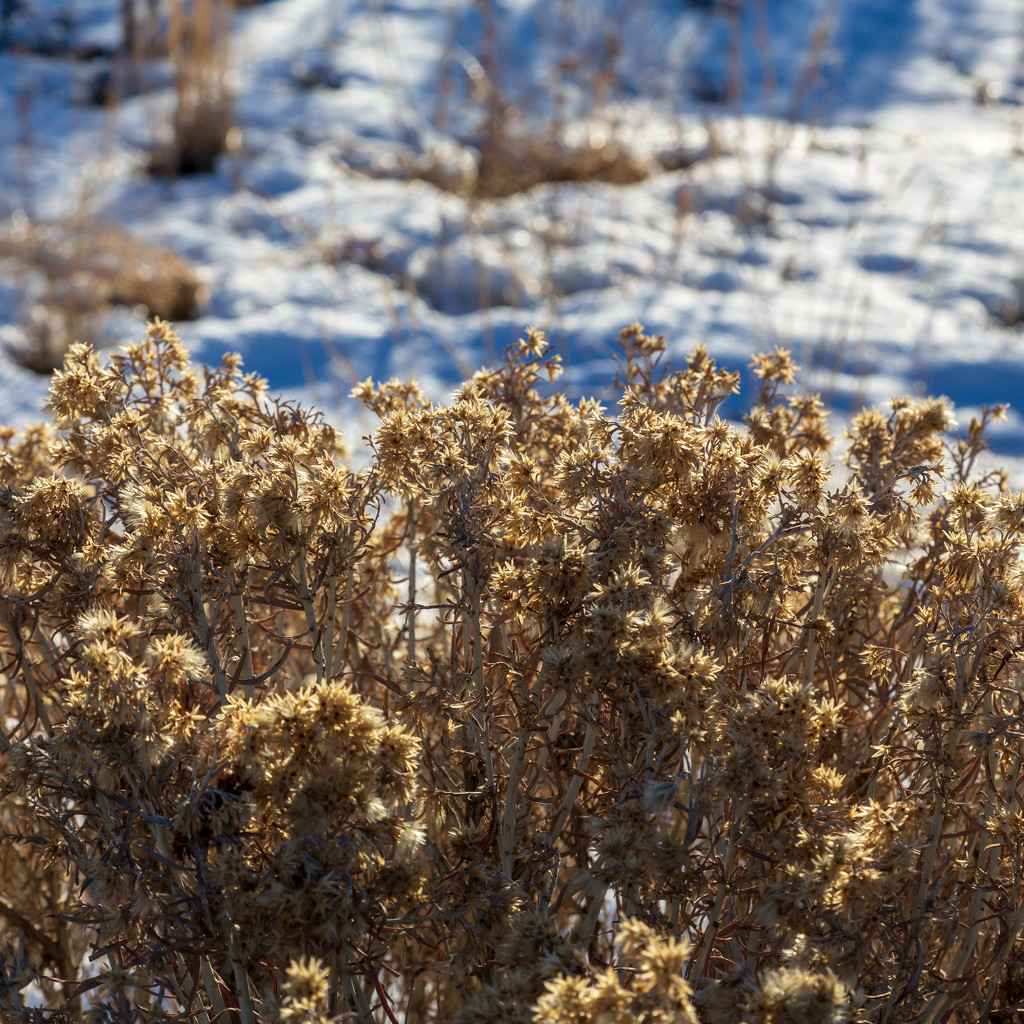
(848, 182)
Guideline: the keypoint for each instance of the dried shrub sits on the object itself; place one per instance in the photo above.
(545, 715)
(77, 269)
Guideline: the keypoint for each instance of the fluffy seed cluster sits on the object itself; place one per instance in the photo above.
(551, 713)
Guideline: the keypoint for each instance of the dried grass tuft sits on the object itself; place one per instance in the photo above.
(199, 42)
(77, 269)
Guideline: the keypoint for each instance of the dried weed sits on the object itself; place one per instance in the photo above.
(546, 715)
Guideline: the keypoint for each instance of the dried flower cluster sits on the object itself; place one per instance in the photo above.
(546, 715)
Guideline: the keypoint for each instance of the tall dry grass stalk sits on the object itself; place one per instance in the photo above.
(545, 715)
(199, 42)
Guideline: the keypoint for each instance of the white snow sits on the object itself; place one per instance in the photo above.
(857, 190)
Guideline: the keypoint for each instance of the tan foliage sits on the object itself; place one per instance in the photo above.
(544, 715)
(88, 265)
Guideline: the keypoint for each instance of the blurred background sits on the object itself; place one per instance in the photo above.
(340, 189)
